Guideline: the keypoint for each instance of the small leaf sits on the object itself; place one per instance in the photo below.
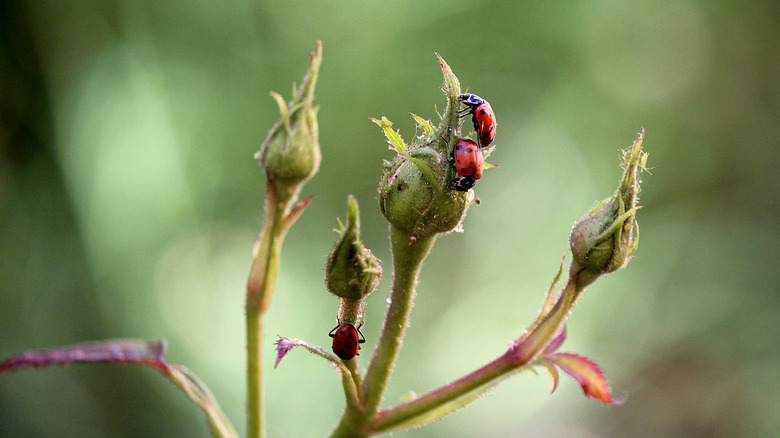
(451, 82)
(588, 373)
(393, 137)
(425, 170)
(423, 124)
(341, 228)
(282, 109)
(296, 212)
(485, 154)
(556, 343)
(551, 297)
(546, 327)
(553, 373)
(349, 382)
(487, 151)
(284, 345)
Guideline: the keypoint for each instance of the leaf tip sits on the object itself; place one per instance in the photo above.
(588, 374)
(283, 346)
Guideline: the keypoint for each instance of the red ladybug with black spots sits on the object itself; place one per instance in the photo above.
(468, 162)
(482, 116)
(346, 340)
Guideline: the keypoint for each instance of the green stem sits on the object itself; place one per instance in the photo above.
(260, 290)
(408, 255)
(528, 348)
(255, 407)
(488, 374)
(354, 373)
(355, 411)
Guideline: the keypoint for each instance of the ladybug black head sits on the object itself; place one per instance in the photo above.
(471, 100)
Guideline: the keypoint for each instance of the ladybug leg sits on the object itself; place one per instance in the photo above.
(361, 338)
(455, 183)
(332, 333)
(451, 154)
(458, 184)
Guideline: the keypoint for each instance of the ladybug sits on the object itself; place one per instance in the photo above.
(346, 340)
(467, 158)
(482, 116)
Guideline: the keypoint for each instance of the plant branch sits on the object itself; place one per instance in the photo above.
(459, 393)
(359, 395)
(479, 381)
(128, 351)
(279, 216)
(408, 255)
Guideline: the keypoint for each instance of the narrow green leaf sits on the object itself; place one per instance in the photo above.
(425, 125)
(393, 137)
(451, 82)
(282, 109)
(296, 212)
(553, 373)
(551, 297)
(425, 170)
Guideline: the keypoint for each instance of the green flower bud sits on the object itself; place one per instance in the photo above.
(415, 192)
(416, 204)
(352, 272)
(603, 240)
(290, 153)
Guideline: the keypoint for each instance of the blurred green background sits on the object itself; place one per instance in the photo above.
(129, 204)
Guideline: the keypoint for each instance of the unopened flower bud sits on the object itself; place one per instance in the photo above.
(413, 203)
(415, 192)
(352, 271)
(603, 240)
(290, 153)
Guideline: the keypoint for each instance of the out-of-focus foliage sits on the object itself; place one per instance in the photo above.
(129, 203)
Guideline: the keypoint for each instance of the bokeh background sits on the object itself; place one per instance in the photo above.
(129, 203)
